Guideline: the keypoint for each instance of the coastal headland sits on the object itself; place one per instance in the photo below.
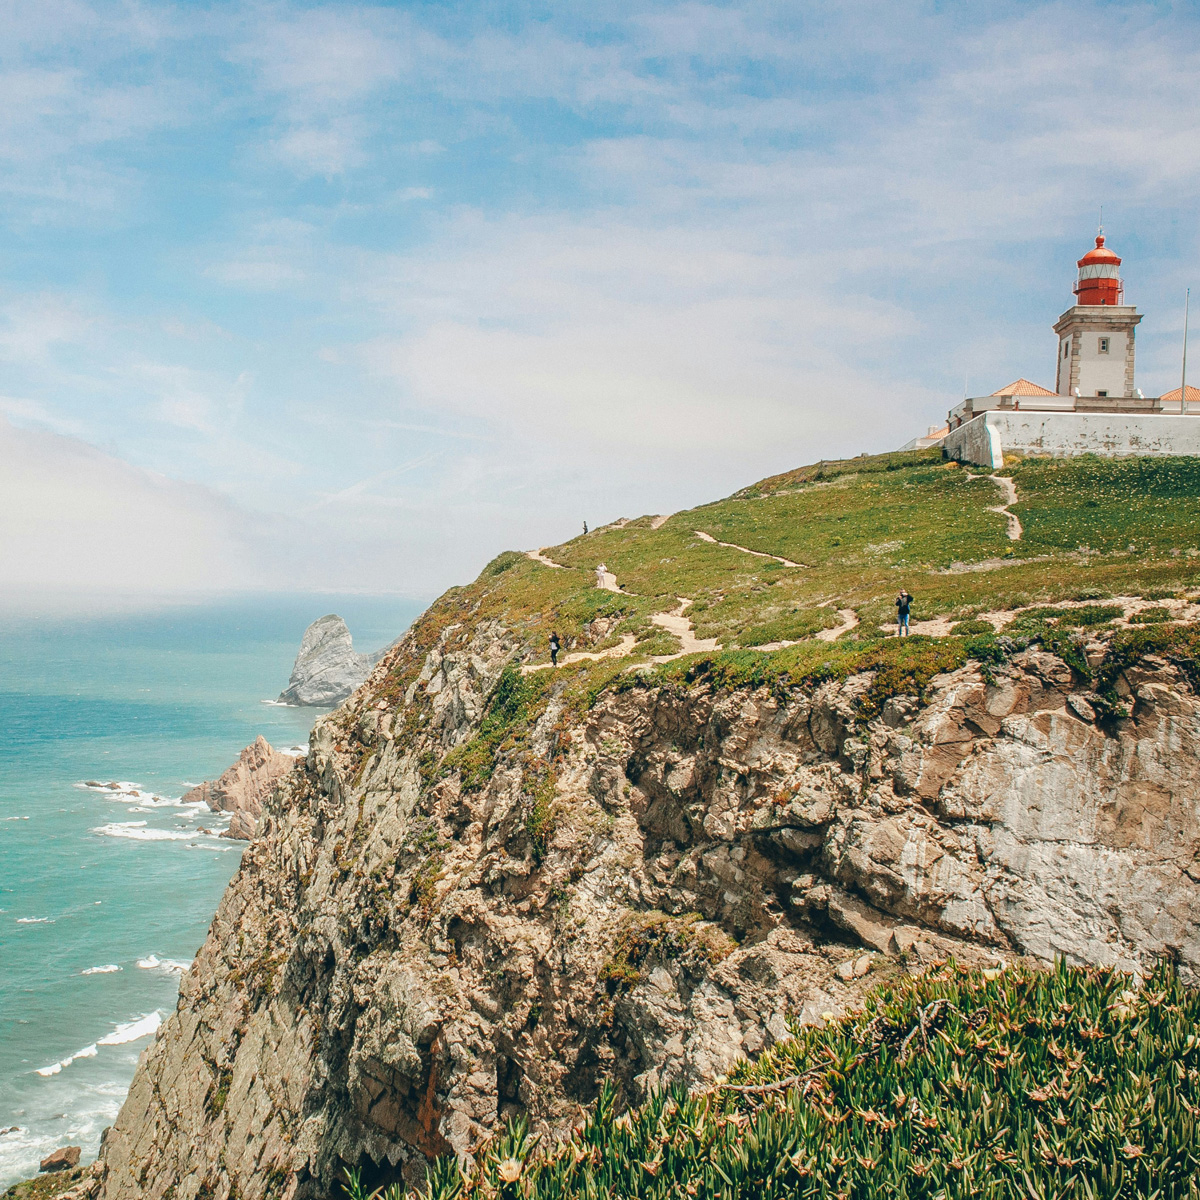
(500, 891)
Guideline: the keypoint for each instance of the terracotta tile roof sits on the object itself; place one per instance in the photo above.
(1022, 387)
(1173, 394)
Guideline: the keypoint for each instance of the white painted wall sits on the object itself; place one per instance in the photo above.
(1100, 371)
(988, 437)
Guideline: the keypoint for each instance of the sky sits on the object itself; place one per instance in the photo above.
(329, 296)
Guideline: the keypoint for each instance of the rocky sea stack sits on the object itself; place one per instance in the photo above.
(494, 890)
(327, 669)
(242, 790)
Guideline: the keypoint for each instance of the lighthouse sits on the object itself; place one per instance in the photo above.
(1095, 335)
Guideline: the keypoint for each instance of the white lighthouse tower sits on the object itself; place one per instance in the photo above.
(1095, 335)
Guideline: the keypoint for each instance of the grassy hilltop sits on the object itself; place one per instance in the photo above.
(855, 532)
(859, 530)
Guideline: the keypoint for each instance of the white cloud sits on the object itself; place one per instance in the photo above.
(75, 519)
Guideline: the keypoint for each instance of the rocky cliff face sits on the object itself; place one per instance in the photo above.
(643, 889)
(244, 787)
(327, 669)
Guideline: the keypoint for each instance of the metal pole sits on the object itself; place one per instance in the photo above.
(1183, 382)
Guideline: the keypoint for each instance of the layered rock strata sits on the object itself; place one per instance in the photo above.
(327, 668)
(244, 788)
(642, 890)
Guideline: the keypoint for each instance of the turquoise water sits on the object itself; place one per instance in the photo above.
(99, 879)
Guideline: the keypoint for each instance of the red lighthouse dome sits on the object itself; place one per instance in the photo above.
(1099, 276)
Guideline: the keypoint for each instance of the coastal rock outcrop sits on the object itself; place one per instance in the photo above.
(63, 1159)
(327, 669)
(244, 787)
(438, 929)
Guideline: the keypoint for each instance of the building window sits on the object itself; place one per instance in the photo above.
(1104, 345)
(1101, 393)
(1066, 347)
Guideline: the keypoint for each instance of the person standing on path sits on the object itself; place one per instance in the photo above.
(903, 604)
(601, 571)
(554, 645)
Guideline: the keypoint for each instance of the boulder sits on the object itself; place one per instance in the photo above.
(327, 669)
(64, 1159)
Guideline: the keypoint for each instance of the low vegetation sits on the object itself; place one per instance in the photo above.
(1015, 1084)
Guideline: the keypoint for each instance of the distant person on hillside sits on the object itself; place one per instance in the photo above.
(585, 527)
(903, 604)
(601, 571)
(554, 646)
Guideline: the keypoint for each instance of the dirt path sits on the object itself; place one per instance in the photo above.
(622, 650)
(1009, 491)
(708, 537)
(1180, 610)
(849, 621)
(538, 556)
(681, 626)
(661, 520)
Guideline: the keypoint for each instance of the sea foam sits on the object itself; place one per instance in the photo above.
(107, 969)
(172, 966)
(129, 1031)
(138, 832)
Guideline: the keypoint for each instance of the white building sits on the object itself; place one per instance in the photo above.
(1095, 407)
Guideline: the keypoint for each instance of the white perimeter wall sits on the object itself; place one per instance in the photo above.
(987, 438)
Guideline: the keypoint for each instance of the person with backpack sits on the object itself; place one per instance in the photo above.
(554, 647)
(903, 604)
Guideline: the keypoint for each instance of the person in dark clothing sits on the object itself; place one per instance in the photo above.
(903, 604)
(554, 645)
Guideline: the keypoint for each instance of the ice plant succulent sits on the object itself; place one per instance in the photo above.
(1021, 1083)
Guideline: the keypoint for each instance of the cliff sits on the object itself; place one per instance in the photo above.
(244, 787)
(491, 887)
(327, 669)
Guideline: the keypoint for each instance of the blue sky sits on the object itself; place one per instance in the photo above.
(355, 296)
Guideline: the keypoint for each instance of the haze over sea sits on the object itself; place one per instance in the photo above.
(106, 896)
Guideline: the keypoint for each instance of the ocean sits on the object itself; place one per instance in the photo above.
(106, 893)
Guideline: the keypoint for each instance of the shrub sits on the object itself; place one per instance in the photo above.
(790, 627)
(1148, 616)
(502, 562)
(975, 625)
(514, 702)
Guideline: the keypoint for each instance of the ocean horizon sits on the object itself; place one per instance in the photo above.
(107, 882)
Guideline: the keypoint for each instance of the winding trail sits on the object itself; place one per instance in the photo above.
(681, 626)
(708, 537)
(661, 520)
(621, 650)
(538, 556)
(1009, 489)
(849, 621)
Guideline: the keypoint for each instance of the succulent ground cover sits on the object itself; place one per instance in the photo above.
(1015, 1083)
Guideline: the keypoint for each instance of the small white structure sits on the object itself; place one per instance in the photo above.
(1095, 407)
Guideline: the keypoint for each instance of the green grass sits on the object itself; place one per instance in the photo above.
(1020, 1084)
(1151, 505)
